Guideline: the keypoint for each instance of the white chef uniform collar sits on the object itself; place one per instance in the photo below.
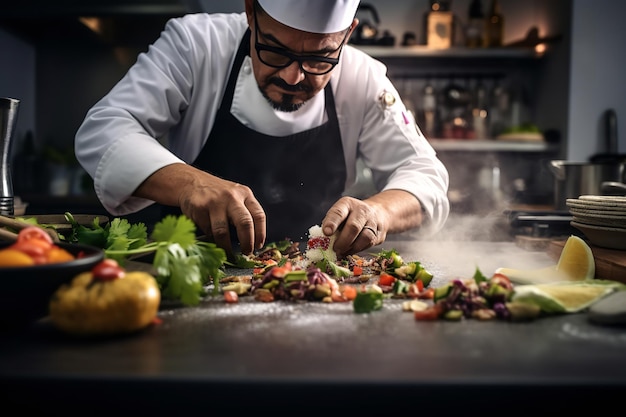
(253, 111)
(317, 16)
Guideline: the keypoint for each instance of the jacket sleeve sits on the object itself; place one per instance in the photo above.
(161, 111)
(384, 135)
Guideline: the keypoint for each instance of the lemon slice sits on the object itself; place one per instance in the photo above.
(576, 263)
(564, 297)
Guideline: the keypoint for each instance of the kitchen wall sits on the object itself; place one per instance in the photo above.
(17, 78)
(597, 76)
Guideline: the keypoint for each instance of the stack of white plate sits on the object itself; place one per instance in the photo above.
(601, 218)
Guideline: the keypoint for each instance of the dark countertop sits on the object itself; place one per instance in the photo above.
(282, 357)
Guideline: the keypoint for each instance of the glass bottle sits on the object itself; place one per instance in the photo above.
(480, 111)
(475, 29)
(494, 27)
(438, 25)
(429, 107)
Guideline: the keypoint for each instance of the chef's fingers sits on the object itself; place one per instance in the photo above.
(260, 222)
(352, 237)
(249, 220)
(336, 216)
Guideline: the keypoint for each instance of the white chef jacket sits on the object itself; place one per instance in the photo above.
(162, 111)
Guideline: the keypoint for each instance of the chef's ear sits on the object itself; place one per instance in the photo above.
(250, 11)
(355, 23)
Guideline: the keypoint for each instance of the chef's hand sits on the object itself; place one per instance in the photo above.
(214, 204)
(359, 225)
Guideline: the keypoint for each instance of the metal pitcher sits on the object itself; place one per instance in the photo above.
(8, 119)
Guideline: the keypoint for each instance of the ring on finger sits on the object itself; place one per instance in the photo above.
(370, 228)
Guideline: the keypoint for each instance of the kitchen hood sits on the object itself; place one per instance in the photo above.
(132, 23)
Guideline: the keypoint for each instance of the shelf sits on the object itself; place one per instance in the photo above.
(485, 145)
(420, 51)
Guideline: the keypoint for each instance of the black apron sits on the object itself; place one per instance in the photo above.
(296, 178)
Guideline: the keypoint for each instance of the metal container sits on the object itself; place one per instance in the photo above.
(573, 179)
(8, 119)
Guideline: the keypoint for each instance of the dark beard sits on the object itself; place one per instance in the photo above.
(286, 104)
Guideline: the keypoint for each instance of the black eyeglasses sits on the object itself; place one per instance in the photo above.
(281, 58)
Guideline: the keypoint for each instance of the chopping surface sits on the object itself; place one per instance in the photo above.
(324, 357)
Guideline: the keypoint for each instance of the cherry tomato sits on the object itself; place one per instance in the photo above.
(357, 271)
(33, 232)
(108, 270)
(231, 297)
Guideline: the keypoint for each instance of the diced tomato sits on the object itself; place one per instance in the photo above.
(357, 271)
(427, 294)
(431, 313)
(318, 243)
(343, 293)
(386, 279)
(502, 280)
(420, 285)
(231, 297)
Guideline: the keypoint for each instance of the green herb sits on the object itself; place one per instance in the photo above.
(479, 276)
(184, 265)
(331, 267)
(367, 301)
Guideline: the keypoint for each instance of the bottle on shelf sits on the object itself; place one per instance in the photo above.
(475, 28)
(500, 107)
(494, 26)
(438, 25)
(480, 111)
(429, 110)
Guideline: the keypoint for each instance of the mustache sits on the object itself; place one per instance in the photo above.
(288, 87)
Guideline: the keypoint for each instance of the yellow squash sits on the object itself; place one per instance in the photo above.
(89, 306)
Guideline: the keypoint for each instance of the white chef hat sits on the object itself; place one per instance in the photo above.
(317, 16)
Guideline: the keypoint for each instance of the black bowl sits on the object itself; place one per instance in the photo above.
(25, 291)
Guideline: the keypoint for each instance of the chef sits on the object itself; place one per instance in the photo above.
(251, 125)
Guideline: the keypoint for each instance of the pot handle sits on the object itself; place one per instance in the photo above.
(557, 168)
(613, 188)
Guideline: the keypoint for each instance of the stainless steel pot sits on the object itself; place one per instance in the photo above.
(573, 179)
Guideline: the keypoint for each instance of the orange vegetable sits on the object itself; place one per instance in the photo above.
(357, 270)
(348, 292)
(57, 254)
(13, 257)
(36, 245)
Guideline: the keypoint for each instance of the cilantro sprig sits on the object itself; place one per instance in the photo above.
(184, 265)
